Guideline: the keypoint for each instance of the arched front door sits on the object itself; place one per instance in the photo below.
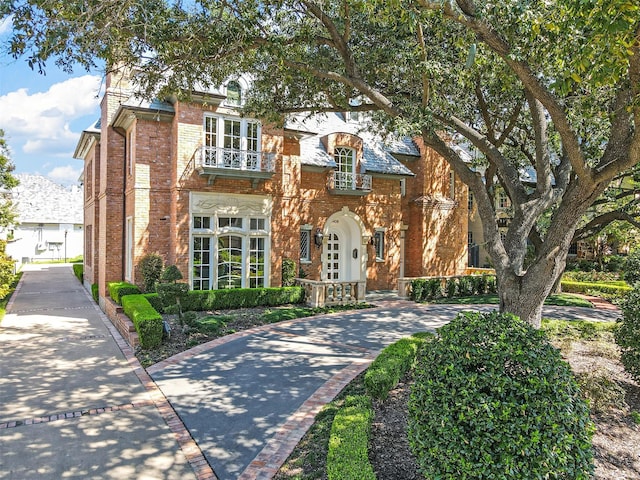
(344, 256)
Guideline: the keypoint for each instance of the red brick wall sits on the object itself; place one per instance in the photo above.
(157, 197)
(436, 240)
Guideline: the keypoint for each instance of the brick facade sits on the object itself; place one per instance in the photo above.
(145, 168)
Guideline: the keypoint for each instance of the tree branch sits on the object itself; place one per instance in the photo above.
(598, 223)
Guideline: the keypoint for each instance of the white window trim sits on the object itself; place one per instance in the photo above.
(244, 122)
(242, 91)
(245, 233)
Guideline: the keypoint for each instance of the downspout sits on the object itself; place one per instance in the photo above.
(122, 132)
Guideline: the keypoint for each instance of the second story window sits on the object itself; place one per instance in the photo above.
(345, 160)
(234, 94)
(503, 200)
(232, 142)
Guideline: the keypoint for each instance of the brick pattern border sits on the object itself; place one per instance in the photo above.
(79, 413)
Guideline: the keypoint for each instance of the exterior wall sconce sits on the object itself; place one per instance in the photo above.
(318, 237)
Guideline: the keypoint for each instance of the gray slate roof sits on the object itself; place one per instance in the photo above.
(377, 151)
(39, 200)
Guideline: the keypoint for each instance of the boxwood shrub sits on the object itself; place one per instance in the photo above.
(146, 320)
(78, 271)
(585, 287)
(155, 301)
(95, 292)
(388, 368)
(425, 289)
(628, 334)
(117, 290)
(493, 399)
(199, 300)
(347, 458)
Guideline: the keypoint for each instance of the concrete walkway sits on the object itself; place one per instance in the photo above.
(71, 405)
(75, 401)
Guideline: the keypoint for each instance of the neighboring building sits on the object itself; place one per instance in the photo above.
(226, 198)
(50, 221)
(477, 247)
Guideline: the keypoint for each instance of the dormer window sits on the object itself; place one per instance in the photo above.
(234, 94)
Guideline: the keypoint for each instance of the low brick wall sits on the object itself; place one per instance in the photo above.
(124, 325)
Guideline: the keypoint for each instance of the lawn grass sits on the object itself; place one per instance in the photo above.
(290, 313)
(578, 330)
(558, 299)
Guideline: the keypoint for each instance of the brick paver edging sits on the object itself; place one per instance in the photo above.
(188, 445)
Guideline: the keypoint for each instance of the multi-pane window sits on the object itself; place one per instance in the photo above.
(201, 252)
(229, 252)
(232, 142)
(256, 262)
(230, 271)
(378, 241)
(503, 200)
(345, 159)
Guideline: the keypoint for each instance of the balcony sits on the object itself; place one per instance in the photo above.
(344, 183)
(216, 162)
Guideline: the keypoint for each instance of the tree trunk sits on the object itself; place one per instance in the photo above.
(524, 302)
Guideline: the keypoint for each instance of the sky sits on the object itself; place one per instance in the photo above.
(43, 115)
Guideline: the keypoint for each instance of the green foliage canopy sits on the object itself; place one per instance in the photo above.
(544, 96)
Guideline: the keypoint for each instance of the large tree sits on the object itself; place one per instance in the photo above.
(7, 182)
(544, 94)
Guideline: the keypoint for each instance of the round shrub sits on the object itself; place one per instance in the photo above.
(493, 399)
(150, 266)
(632, 268)
(628, 333)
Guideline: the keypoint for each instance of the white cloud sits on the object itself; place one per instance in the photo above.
(6, 24)
(41, 120)
(65, 175)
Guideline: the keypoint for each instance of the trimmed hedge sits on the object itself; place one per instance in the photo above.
(584, 287)
(155, 301)
(628, 334)
(78, 271)
(199, 300)
(425, 289)
(117, 290)
(388, 368)
(347, 458)
(146, 320)
(493, 399)
(95, 292)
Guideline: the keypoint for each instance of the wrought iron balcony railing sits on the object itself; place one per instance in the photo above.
(349, 183)
(229, 162)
